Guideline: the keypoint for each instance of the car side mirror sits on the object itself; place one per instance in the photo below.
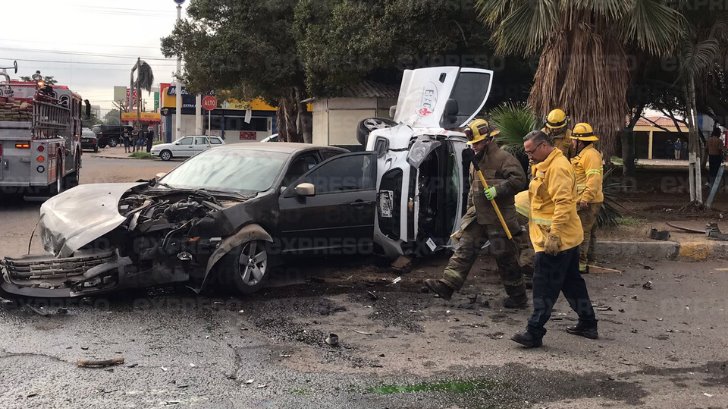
(305, 189)
(176, 143)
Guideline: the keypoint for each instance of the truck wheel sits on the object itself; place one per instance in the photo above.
(73, 178)
(96, 148)
(366, 126)
(165, 155)
(113, 142)
(58, 186)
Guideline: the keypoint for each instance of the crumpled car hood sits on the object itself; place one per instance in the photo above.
(80, 215)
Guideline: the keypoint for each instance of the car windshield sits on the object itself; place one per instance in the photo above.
(228, 170)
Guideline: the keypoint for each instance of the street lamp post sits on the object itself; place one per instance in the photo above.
(178, 85)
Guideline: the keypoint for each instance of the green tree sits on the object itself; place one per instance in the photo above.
(583, 64)
(91, 121)
(286, 51)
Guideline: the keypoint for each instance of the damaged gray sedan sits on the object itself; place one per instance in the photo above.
(222, 216)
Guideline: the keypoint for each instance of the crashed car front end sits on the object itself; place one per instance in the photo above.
(107, 237)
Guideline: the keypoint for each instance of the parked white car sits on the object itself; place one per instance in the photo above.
(186, 147)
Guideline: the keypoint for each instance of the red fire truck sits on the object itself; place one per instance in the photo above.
(40, 128)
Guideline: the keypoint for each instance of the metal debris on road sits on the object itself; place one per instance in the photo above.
(362, 332)
(262, 385)
(88, 363)
(396, 280)
(249, 381)
(372, 296)
(707, 394)
(332, 340)
(647, 285)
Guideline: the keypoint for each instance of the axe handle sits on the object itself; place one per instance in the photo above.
(495, 206)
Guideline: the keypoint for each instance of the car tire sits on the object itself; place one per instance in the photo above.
(246, 268)
(366, 126)
(113, 142)
(96, 148)
(165, 155)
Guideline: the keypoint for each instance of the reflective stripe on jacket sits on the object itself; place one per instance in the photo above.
(588, 171)
(552, 192)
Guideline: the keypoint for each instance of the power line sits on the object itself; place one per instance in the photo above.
(85, 44)
(84, 53)
(81, 62)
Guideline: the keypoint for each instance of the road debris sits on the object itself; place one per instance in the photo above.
(332, 340)
(707, 394)
(249, 381)
(647, 285)
(396, 280)
(685, 229)
(362, 332)
(593, 268)
(262, 385)
(661, 235)
(402, 265)
(372, 296)
(88, 363)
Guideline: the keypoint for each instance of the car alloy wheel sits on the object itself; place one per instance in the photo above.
(252, 263)
(165, 155)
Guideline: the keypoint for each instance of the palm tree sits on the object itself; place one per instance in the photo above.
(583, 66)
(144, 80)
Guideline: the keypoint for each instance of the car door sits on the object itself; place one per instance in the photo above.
(202, 143)
(339, 217)
(183, 147)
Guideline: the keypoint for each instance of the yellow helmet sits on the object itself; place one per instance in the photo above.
(584, 132)
(479, 129)
(556, 119)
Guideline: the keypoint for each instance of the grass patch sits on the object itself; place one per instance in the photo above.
(141, 155)
(629, 221)
(455, 386)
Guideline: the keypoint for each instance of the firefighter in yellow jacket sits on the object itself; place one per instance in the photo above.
(557, 128)
(587, 164)
(506, 177)
(556, 233)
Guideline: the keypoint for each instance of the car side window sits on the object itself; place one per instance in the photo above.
(330, 153)
(186, 141)
(345, 173)
(299, 166)
(215, 141)
(200, 140)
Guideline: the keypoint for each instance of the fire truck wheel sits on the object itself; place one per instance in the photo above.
(73, 179)
(58, 186)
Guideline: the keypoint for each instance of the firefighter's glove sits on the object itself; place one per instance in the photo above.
(552, 244)
(490, 193)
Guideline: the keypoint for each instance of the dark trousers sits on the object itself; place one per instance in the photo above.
(714, 162)
(551, 276)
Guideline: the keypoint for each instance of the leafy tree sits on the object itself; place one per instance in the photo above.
(583, 64)
(91, 121)
(286, 51)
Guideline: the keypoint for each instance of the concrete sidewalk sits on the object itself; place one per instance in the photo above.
(113, 153)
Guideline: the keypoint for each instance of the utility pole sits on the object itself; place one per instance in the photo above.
(178, 83)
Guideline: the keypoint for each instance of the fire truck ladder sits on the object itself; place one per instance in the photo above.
(49, 119)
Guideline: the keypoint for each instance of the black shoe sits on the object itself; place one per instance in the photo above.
(583, 330)
(527, 339)
(440, 288)
(515, 303)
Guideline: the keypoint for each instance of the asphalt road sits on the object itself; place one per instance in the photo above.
(398, 347)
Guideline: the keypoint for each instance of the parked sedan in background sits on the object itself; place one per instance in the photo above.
(185, 147)
(89, 140)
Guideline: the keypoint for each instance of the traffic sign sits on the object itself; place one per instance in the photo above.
(209, 102)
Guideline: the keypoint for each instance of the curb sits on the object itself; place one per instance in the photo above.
(662, 250)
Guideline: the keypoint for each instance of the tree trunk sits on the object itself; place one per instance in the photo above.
(693, 143)
(627, 139)
(287, 115)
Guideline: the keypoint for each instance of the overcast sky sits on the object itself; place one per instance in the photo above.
(89, 45)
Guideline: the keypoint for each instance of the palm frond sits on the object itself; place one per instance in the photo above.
(609, 9)
(524, 28)
(654, 26)
(698, 58)
(145, 76)
(514, 121)
(609, 213)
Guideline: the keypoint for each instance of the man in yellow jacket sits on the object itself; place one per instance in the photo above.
(556, 233)
(557, 128)
(587, 164)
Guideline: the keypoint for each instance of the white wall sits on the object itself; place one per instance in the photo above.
(335, 120)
